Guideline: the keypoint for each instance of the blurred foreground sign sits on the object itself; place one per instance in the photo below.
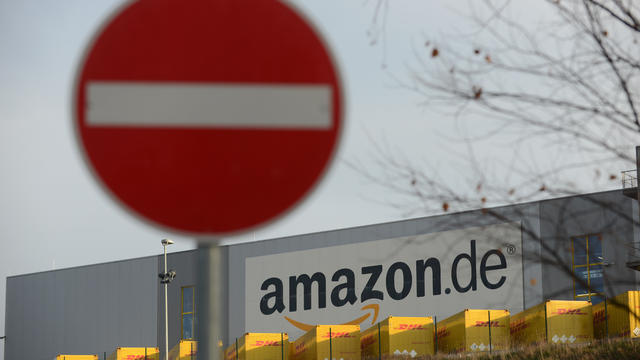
(207, 117)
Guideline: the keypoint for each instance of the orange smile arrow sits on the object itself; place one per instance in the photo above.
(356, 321)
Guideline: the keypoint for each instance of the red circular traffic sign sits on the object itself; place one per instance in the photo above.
(208, 117)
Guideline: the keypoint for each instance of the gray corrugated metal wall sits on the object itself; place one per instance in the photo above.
(83, 310)
(527, 214)
(184, 263)
(608, 213)
(95, 308)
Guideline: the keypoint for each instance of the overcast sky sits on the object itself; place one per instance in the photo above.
(53, 214)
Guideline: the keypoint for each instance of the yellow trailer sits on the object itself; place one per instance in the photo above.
(230, 352)
(474, 331)
(184, 350)
(135, 353)
(327, 342)
(76, 357)
(554, 321)
(622, 315)
(259, 346)
(291, 347)
(406, 336)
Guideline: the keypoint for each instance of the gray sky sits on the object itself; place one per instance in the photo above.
(52, 213)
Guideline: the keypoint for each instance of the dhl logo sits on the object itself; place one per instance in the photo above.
(138, 357)
(366, 340)
(266, 343)
(337, 334)
(562, 311)
(443, 331)
(598, 316)
(410, 327)
(299, 348)
(231, 354)
(518, 325)
(486, 324)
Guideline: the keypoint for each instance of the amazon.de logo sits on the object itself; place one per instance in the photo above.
(398, 281)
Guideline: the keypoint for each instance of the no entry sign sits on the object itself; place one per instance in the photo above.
(208, 116)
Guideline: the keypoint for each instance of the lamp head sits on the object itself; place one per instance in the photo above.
(166, 242)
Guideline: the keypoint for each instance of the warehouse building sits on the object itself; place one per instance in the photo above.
(511, 257)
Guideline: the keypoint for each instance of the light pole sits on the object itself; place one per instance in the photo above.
(165, 278)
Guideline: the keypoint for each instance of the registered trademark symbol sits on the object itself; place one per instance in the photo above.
(511, 249)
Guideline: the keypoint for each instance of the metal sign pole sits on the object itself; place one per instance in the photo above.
(489, 316)
(379, 343)
(435, 331)
(546, 324)
(211, 302)
(606, 318)
(330, 346)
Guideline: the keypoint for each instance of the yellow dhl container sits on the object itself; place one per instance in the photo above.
(554, 321)
(230, 352)
(291, 349)
(407, 336)
(327, 342)
(76, 357)
(135, 353)
(474, 331)
(622, 316)
(259, 346)
(184, 350)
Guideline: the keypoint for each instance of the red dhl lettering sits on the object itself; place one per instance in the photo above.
(266, 343)
(409, 327)
(486, 324)
(299, 348)
(598, 316)
(339, 334)
(561, 311)
(366, 341)
(443, 331)
(518, 325)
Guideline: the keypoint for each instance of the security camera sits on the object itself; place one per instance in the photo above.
(172, 274)
(166, 242)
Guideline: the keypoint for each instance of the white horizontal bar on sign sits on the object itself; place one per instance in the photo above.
(280, 106)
